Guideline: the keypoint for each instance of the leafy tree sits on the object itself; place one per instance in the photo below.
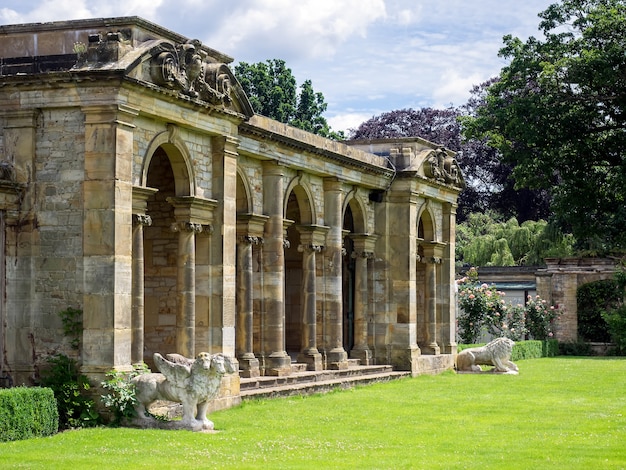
(484, 239)
(489, 186)
(273, 92)
(557, 116)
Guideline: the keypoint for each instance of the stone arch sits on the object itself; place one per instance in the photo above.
(426, 229)
(304, 198)
(355, 205)
(244, 196)
(179, 158)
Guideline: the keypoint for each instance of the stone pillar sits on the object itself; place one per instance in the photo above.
(107, 238)
(191, 214)
(249, 231)
(277, 361)
(20, 246)
(363, 253)
(224, 154)
(312, 239)
(140, 198)
(336, 356)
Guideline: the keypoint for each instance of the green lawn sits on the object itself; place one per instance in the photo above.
(560, 412)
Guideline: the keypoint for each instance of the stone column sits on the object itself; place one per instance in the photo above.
(191, 214)
(312, 239)
(432, 260)
(336, 356)
(186, 287)
(140, 219)
(249, 231)
(363, 252)
(277, 361)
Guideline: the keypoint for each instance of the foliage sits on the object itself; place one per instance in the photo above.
(540, 318)
(559, 412)
(27, 412)
(272, 91)
(70, 389)
(483, 309)
(592, 299)
(122, 398)
(486, 240)
(72, 320)
(616, 317)
(488, 181)
(557, 116)
(575, 348)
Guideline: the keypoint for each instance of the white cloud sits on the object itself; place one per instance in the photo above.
(365, 56)
(315, 28)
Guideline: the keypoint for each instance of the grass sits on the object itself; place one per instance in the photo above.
(560, 412)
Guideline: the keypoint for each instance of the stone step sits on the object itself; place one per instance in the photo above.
(300, 383)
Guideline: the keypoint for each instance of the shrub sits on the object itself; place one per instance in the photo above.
(27, 412)
(540, 318)
(616, 317)
(483, 308)
(575, 348)
(122, 398)
(592, 299)
(70, 389)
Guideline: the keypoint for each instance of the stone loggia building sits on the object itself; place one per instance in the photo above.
(138, 185)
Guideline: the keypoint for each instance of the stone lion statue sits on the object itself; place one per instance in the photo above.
(496, 353)
(192, 382)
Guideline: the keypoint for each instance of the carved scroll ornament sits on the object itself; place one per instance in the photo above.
(184, 67)
(443, 168)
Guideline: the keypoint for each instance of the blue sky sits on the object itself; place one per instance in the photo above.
(365, 56)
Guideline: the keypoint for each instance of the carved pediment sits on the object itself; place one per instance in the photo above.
(442, 167)
(184, 67)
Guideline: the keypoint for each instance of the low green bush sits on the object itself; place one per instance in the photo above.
(530, 349)
(71, 391)
(27, 412)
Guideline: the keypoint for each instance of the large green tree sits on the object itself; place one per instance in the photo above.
(273, 92)
(557, 115)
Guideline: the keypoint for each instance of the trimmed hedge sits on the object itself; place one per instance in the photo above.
(27, 412)
(526, 349)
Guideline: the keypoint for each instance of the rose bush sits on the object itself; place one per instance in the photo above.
(484, 309)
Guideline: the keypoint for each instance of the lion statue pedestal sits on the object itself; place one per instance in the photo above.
(192, 382)
(496, 353)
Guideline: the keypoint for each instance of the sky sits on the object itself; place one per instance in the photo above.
(366, 56)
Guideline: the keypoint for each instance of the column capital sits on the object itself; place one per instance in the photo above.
(142, 219)
(193, 209)
(304, 248)
(187, 227)
(249, 240)
(252, 225)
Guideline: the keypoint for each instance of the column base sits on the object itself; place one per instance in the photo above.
(337, 359)
(312, 358)
(364, 356)
(278, 364)
(249, 367)
(431, 348)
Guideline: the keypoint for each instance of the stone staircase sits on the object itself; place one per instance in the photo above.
(303, 382)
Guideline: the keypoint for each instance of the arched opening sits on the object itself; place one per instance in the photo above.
(294, 272)
(348, 281)
(160, 251)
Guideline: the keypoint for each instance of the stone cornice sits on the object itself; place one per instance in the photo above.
(347, 159)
